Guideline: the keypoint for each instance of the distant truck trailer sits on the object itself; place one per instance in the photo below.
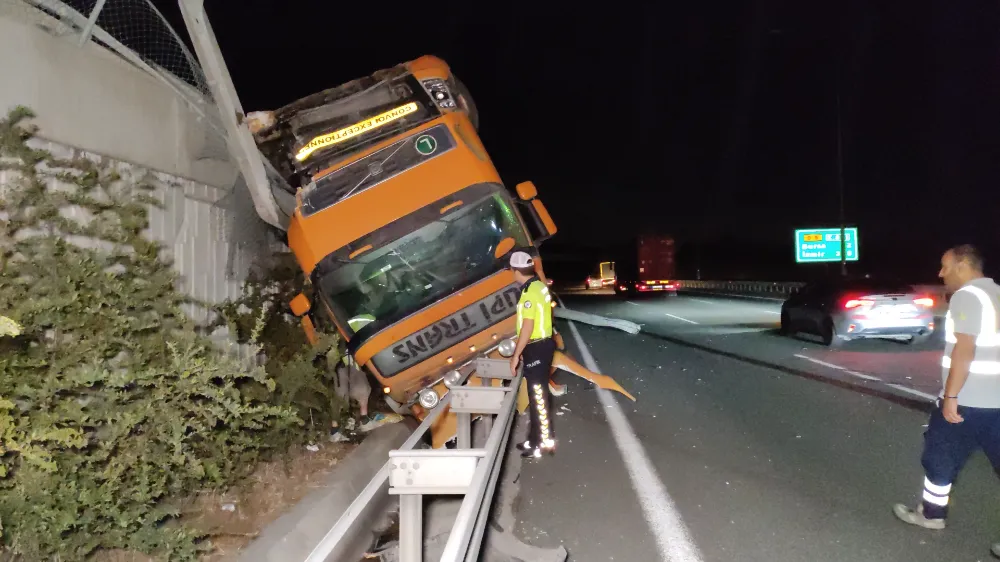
(652, 270)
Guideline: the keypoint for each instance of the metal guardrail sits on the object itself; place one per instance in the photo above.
(412, 473)
(782, 290)
(776, 289)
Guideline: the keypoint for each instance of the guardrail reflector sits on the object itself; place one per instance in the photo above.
(478, 399)
(445, 472)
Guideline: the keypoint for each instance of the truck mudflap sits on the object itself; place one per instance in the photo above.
(562, 361)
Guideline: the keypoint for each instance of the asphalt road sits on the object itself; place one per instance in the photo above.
(744, 445)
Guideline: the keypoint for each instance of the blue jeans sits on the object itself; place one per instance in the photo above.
(947, 447)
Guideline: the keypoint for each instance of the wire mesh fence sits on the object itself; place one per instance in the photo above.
(135, 25)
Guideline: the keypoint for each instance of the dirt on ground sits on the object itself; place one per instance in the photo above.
(233, 519)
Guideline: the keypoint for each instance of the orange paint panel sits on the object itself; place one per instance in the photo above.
(562, 361)
(429, 66)
(315, 237)
(451, 206)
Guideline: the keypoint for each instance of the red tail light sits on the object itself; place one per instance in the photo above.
(856, 303)
(924, 301)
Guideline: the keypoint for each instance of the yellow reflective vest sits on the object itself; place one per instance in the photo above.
(536, 304)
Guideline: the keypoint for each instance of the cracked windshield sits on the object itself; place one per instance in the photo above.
(413, 272)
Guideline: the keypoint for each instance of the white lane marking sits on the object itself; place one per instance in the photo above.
(631, 303)
(672, 538)
(923, 395)
(838, 367)
(702, 300)
(679, 318)
(818, 362)
(863, 376)
(899, 387)
(771, 312)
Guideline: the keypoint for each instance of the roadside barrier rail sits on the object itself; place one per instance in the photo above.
(412, 473)
(781, 290)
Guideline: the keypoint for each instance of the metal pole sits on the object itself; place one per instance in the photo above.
(840, 189)
(487, 420)
(91, 22)
(411, 526)
(464, 436)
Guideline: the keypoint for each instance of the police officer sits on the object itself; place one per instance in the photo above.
(536, 347)
(967, 416)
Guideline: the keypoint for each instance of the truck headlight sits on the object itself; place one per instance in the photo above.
(428, 398)
(452, 379)
(438, 90)
(507, 347)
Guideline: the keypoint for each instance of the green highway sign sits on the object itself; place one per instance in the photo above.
(814, 245)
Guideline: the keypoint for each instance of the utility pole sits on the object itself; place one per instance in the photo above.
(840, 188)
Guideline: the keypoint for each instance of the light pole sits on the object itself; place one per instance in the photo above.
(840, 189)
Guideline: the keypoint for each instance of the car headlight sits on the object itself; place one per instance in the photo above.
(507, 347)
(452, 378)
(428, 398)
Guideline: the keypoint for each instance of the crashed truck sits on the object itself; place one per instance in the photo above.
(400, 221)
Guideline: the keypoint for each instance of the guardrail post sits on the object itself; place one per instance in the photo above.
(464, 437)
(487, 421)
(411, 528)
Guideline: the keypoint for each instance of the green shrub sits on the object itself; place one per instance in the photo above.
(303, 373)
(112, 407)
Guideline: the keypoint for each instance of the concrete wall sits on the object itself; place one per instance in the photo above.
(91, 102)
(89, 97)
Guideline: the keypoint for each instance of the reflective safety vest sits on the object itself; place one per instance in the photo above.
(535, 304)
(987, 358)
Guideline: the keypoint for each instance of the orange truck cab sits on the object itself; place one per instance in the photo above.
(404, 228)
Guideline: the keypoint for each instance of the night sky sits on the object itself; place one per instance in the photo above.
(714, 122)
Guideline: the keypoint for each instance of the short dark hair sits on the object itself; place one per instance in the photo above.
(529, 271)
(969, 254)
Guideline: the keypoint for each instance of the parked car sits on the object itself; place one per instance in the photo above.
(843, 309)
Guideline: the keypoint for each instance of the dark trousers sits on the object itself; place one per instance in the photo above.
(947, 447)
(537, 358)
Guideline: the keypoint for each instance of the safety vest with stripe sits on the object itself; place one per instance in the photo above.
(536, 304)
(982, 388)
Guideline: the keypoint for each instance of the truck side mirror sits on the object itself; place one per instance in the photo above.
(527, 191)
(544, 217)
(300, 305)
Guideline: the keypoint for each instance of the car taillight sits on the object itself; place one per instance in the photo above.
(621, 287)
(924, 301)
(856, 303)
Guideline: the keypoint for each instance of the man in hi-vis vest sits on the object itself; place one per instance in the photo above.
(967, 416)
(536, 347)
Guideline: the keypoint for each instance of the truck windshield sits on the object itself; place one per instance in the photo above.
(423, 266)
